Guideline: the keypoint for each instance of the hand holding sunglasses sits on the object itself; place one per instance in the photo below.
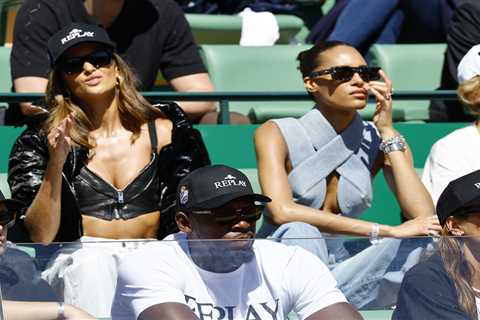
(383, 112)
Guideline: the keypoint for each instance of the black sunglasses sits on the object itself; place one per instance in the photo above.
(347, 73)
(225, 215)
(99, 58)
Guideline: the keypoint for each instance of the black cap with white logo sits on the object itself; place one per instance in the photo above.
(460, 197)
(211, 187)
(74, 34)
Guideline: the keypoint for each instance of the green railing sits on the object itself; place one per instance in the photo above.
(225, 97)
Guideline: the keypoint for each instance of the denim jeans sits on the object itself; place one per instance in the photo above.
(359, 277)
(365, 22)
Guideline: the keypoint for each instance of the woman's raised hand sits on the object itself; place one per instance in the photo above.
(59, 142)
(382, 118)
(420, 226)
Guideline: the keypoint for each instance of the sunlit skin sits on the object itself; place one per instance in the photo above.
(340, 95)
(339, 102)
(92, 84)
(94, 90)
(219, 247)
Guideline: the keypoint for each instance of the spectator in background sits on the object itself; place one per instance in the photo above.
(447, 285)
(463, 34)
(104, 165)
(362, 23)
(459, 152)
(310, 10)
(25, 295)
(19, 277)
(214, 269)
(151, 35)
(318, 169)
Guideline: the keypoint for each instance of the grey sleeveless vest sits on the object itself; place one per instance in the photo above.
(316, 150)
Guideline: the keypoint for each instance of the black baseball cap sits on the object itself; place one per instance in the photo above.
(74, 34)
(12, 205)
(211, 187)
(460, 197)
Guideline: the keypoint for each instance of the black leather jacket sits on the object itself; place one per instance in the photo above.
(29, 157)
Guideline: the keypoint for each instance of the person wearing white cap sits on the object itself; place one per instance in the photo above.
(457, 153)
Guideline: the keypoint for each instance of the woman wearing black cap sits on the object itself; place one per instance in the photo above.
(447, 285)
(103, 166)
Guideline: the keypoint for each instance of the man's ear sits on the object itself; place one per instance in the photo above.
(183, 222)
(454, 228)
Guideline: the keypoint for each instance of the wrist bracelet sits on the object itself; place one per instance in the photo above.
(374, 234)
(60, 311)
(396, 143)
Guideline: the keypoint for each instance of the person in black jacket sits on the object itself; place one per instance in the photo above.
(104, 166)
(463, 33)
(447, 285)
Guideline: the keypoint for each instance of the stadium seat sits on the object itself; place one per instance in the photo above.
(411, 67)
(8, 13)
(257, 69)
(5, 80)
(226, 29)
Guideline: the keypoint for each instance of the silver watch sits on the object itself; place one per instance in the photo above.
(396, 143)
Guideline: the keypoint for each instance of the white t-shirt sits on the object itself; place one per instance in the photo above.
(278, 280)
(451, 157)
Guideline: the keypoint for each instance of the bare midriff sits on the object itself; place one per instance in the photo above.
(141, 227)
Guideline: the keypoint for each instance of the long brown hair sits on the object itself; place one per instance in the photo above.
(134, 110)
(451, 250)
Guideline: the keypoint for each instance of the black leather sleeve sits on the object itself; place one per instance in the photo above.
(186, 153)
(26, 166)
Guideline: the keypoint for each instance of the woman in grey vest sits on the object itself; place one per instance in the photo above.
(319, 169)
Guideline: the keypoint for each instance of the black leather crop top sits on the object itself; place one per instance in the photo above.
(100, 199)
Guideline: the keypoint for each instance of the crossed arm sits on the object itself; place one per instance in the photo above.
(272, 157)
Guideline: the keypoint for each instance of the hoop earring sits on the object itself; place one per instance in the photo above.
(119, 81)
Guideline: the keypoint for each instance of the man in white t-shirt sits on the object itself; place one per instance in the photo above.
(214, 270)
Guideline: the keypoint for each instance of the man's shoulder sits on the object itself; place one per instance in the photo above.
(153, 253)
(278, 254)
(38, 5)
(162, 5)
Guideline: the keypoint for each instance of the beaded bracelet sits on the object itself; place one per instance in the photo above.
(374, 234)
(396, 143)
